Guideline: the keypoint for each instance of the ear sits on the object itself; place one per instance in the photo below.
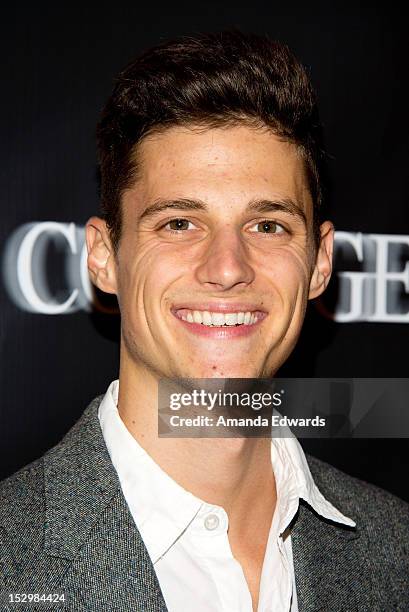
(101, 260)
(323, 261)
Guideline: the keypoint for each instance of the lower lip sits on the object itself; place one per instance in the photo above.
(227, 331)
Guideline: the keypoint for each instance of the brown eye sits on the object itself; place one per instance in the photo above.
(178, 224)
(268, 227)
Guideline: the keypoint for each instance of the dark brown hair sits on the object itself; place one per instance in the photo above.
(209, 80)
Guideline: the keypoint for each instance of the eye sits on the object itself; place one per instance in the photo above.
(268, 227)
(178, 225)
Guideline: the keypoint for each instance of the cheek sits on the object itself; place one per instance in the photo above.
(288, 269)
(146, 272)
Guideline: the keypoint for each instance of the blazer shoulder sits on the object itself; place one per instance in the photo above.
(382, 512)
(22, 517)
(22, 496)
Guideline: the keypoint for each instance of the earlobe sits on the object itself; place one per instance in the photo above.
(323, 262)
(101, 264)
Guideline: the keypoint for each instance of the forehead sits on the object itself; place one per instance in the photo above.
(233, 164)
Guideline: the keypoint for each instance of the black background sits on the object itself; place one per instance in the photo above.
(58, 64)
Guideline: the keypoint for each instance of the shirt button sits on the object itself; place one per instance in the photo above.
(211, 522)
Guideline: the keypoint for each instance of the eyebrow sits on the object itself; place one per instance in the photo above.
(180, 204)
(285, 205)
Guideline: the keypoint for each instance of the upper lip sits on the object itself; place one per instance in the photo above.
(220, 306)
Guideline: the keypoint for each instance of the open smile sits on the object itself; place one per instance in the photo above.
(220, 320)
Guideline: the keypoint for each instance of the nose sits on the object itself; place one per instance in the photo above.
(225, 264)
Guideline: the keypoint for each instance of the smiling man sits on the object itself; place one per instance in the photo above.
(212, 240)
(218, 225)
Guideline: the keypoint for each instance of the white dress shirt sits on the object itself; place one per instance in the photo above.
(187, 538)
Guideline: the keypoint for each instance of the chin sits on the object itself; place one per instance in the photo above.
(220, 370)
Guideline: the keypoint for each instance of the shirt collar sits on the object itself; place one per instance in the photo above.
(162, 509)
(294, 481)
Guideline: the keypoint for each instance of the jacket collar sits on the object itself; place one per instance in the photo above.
(79, 483)
(87, 518)
(329, 563)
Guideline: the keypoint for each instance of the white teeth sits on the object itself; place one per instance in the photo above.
(207, 318)
(197, 317)
(231, 318)
(219, 318)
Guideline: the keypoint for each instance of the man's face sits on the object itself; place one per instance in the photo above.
(214, 267)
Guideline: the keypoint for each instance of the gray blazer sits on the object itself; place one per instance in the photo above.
(65, 527)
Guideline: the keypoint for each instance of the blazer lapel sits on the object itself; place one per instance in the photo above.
(329, 564)
(89, 523)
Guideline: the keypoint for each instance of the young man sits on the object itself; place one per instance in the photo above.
(211, 239)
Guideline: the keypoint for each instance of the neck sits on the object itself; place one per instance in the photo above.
(235, 473)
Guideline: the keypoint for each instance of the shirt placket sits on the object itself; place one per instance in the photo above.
(210, 538)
